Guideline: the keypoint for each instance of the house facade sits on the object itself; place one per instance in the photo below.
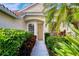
(8, 19)
(34, 20)
(29, 19)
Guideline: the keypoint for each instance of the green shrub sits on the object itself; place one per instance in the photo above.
(63, 46)
(52, 43)
(46, 35)
(11, 40)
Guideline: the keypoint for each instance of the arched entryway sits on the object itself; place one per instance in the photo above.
(36, 27)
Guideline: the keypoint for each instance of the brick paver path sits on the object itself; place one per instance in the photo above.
(39, 49)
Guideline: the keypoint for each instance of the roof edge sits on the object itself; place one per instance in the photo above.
(6, 10)
(27, 7)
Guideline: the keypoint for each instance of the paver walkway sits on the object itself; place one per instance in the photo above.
(39, 49)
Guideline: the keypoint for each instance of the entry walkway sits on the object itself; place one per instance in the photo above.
(39, 49)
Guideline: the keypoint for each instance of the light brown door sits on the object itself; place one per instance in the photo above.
(40, 31)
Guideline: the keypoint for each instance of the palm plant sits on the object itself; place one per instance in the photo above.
(66, 14)
(61, 13)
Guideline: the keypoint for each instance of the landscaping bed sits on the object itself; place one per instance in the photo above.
(63, 45)
(11, 41)
(27, 46)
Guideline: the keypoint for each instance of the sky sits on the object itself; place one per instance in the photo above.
(16, 6)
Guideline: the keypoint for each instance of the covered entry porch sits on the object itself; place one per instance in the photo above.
(36, 24)
(36, 27)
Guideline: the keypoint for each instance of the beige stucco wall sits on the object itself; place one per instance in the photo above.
(36, 8)
(7, 21)
(42, 18)
(39, 7)
(36, 18)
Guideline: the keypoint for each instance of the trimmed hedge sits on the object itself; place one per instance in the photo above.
(11, 40)
(46, 35)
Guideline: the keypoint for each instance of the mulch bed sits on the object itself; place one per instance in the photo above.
(27, 47)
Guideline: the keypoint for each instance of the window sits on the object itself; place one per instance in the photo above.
(31, 28)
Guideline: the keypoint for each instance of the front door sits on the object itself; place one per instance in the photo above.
(40, 30)
(36, 28)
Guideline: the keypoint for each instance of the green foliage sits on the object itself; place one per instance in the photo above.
(63, 46)
(55, 11)
(46, 35)
(66, 14)
(11, 40)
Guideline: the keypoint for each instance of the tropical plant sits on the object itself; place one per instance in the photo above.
(67, 14)
(61, 13)
(63, 46)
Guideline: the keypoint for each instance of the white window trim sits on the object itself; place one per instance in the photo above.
(35, 27)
